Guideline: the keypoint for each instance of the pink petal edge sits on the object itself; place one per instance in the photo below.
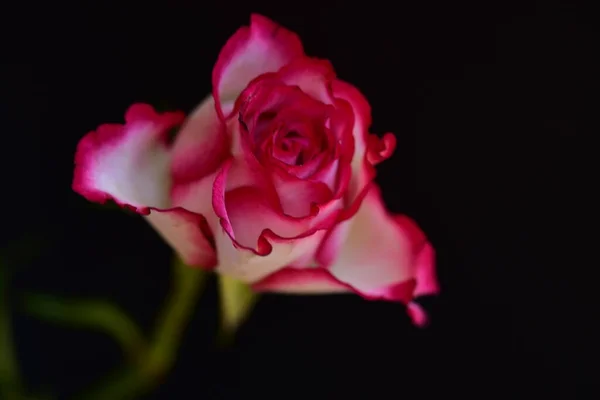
(129, 164)
(393, 263)
(262, 47)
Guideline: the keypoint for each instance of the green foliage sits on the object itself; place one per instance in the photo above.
(92, 314)
(10, 380)
(150, 357)
(236, 301)
(16, 254)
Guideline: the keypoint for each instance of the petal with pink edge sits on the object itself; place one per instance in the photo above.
(263, 47)
(187, 233)
(201, 145)
(258, 238)
(427, 280)
(369, 150)
(130, 165)
(362, 117)
(312, 75)
(301, 281)
(250, 264)
(252, 239)
(381, 254)
(416, 313)
(379, 150)
(127, 163)
(298, 197)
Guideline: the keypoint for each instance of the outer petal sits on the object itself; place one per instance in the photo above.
(263, 47)
(201, 145)
(425, 273)
(312, 75)
(248, 214)
(188, 233)
(369, 150)
(362, 170)
(196, 198)
(127, 163)
(253, 236)
(267, 254)
(130, 165)
(258, 238)
(248, 266)
(417, 314)
(382, 256)
(379, 150)
(253, 239)
(301, 281)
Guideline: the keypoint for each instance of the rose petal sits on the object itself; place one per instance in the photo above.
(244, 170)
(268, 95)
(328, 172)
(254, 238)
(301, 281)
(312, 75)
(127, 163)
(201, 145)
(363, 171)
(318, 280)
(416, 313)
(130, 165)
(268, 252)
(263, 47)
(425, 272)
(362, 113)
(233, 177)
(249, 213)
(187, 233)
(265, 94)
(189, 229)
(276, 253)
(379, 150)
(284, 193)
(262, 255)
(298, 197)
(369, 150)
(427, 280)
(378, 257)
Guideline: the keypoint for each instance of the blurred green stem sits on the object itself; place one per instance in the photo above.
(10, 380)
(236, 300)
(160, 355)
(174, 318)
(93, 314)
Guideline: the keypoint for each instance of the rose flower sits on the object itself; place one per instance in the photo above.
(269, 180)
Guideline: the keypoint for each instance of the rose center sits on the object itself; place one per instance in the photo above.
(293, 148)
(294, 138)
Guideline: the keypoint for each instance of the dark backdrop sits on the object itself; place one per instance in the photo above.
(491, 104)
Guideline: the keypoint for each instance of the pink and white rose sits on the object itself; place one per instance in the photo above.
(269, 180)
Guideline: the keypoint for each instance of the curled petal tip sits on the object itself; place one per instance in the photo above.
(417, 314)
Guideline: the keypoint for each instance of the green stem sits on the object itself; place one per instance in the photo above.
(236, 300)
(175, 315)
(10, 380)
(162, 352)
(94, 314)
(123, 384)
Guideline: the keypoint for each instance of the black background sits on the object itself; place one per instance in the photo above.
(493, 106)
